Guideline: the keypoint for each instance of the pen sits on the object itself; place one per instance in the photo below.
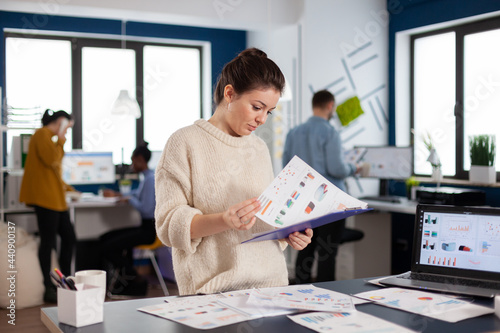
(56, 280)
(65, 282)
(71, 284)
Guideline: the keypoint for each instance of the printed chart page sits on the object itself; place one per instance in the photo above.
(428, 304)
(299, 193)
(354, 322)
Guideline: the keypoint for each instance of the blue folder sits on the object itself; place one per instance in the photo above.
(313, 223)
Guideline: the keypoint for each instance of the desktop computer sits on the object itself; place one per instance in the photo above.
(80, 168)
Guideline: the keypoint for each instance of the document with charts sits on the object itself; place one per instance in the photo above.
(299, 198)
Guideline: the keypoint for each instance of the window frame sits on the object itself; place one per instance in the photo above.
(460, 31)
(120, 42)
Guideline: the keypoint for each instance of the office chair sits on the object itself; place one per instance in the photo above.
(149, 252)
(351, 235)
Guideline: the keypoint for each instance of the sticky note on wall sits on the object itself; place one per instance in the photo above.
(349, 110)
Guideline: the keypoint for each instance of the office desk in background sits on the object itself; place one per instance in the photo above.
(122, 316)
(373, 255)
(95, 217)
(91, 218)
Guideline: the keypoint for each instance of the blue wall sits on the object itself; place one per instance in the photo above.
(408, 14)
(226, 44)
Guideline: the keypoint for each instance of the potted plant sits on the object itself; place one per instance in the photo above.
(482, 158)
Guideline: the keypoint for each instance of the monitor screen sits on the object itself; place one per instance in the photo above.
(387, 162)
(80, 168)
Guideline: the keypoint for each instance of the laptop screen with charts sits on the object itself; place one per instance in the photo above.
(456, 249)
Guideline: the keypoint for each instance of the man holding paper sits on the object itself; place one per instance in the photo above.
(319, 145)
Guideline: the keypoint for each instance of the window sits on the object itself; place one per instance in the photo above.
(171, 90)
(38, 77)
(105, 71)
(84, 76)
(455, 92)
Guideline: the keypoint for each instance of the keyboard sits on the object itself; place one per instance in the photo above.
(383, 198)
(452, 280)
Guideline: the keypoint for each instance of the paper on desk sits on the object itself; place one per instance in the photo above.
(358, 322)
(300, 193)
(200, 315)
(377, 281)
(211, 311)
(241, 304)
(426, 304)
(303, 297)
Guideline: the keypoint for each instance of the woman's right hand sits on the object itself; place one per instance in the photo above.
(242, 215)
(63, 128)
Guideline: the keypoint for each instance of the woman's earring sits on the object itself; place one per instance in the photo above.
(228, 106)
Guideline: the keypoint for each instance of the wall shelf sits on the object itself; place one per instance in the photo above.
(451, 181)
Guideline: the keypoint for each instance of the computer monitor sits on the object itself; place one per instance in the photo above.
(385, 163)
(79, 168)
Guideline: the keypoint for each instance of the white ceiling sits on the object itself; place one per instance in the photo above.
(231, 14)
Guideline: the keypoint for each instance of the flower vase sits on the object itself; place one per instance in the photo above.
(437, 175)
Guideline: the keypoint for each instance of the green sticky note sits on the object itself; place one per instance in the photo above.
(349, 110)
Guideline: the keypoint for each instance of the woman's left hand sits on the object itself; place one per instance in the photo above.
(299, 240)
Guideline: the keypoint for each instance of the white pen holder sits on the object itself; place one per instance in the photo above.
(80, 307)
(497, 305)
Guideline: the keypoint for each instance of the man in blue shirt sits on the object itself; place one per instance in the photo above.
(117, 245)
(319, 145)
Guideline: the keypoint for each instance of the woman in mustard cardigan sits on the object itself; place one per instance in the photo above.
(43, 189)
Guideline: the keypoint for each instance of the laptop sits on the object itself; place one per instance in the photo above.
(456, 249)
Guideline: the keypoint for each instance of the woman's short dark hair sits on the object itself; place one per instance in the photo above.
(50, 116)
(322, 98)
(250, 70)
(142, 150)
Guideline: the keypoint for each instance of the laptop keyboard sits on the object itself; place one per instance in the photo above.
(456, 281)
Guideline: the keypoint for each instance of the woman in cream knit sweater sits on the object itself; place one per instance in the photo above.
(207, 181)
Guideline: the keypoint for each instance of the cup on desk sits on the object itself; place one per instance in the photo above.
(125, 186)
(91, 277)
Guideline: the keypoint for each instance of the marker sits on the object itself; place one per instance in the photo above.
(65, 282)
(56, 280)
(71, 284)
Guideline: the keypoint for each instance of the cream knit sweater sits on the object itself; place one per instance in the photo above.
(203, 171)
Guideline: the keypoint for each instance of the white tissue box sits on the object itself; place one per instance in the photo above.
(497, 305)
(80, 307)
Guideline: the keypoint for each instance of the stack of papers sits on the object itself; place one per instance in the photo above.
(211, 311)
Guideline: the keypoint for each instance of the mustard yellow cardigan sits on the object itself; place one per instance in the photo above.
(42, 183)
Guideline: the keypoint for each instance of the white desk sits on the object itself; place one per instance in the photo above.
(371, 256)
(93, 218)
(405, 206)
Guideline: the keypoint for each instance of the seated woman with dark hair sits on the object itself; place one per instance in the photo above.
(117, 245)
